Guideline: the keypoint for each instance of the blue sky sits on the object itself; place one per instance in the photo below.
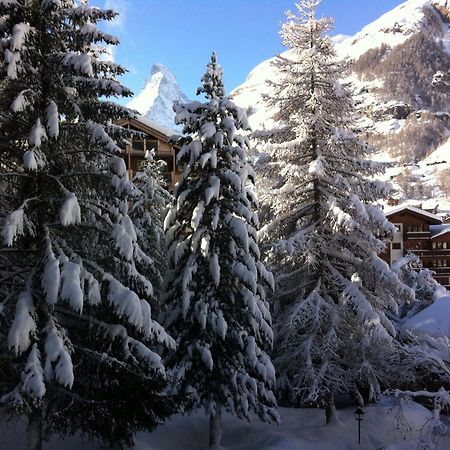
(182, 33)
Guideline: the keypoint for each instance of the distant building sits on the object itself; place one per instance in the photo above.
(424, 234)
(155, 138)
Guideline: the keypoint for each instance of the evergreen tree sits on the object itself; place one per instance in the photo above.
(216, 306)
(148, 212)
(325, 231)
(77, 329)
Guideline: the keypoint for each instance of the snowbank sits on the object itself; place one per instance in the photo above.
(433, 320)
(388, 425)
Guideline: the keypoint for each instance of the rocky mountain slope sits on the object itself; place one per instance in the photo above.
(392, 63)
(157, 96)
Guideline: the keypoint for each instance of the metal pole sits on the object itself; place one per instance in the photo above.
(359, 430)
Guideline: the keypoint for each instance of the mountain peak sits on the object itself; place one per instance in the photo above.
(157, 96)
(161, 68)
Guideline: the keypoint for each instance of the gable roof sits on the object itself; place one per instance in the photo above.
(398, 209)
(148, 126)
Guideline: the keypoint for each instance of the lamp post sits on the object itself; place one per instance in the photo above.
(359, 418)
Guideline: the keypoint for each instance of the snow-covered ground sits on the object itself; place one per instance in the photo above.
(390, 425)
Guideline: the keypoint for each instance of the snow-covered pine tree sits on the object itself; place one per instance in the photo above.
(148, 212)
(216, 306)
(332, 332)
(76, 307)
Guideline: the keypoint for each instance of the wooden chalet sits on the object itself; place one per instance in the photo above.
(424, 234)
(155, 138)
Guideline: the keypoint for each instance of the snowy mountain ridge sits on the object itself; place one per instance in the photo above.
(392, 28)
(157, 96)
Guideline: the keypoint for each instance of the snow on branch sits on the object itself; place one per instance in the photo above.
(71, 285)
(100, 136)
(70, 213)
(22, 102)
(13, 226)
(79, 62)
(18, 36)
(51, 277)
(434, 426)
(33, 375)
(52, 117)
(23, 325)
(33, 159)
(58, 363)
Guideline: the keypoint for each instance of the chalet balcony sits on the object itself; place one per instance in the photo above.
(418, 235)
(440, 270)
(431, 253)
(140, 146)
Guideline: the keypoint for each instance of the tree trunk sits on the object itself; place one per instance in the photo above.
(330, 409)
(215, 428)
(34, 430)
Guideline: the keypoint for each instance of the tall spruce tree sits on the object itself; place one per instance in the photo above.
(333, 292)
(77, 329)
(216, 306)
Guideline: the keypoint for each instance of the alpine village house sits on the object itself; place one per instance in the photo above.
(423, 233)
(156, 138)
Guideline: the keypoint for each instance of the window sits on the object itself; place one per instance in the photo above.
(416, 228)
(433, 245)
(138, 144)
(434, 264)
(398, 226)
(444, 245)
(445, 262)
(439, 262)
(396, 246)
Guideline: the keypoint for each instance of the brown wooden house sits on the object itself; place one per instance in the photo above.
(424, 234)
(155, 138)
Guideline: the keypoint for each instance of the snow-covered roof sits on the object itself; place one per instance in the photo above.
(439, 230)
(154, 125)
(397, 209)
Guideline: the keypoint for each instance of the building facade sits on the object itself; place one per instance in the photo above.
(424, 234)
(155, 138)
